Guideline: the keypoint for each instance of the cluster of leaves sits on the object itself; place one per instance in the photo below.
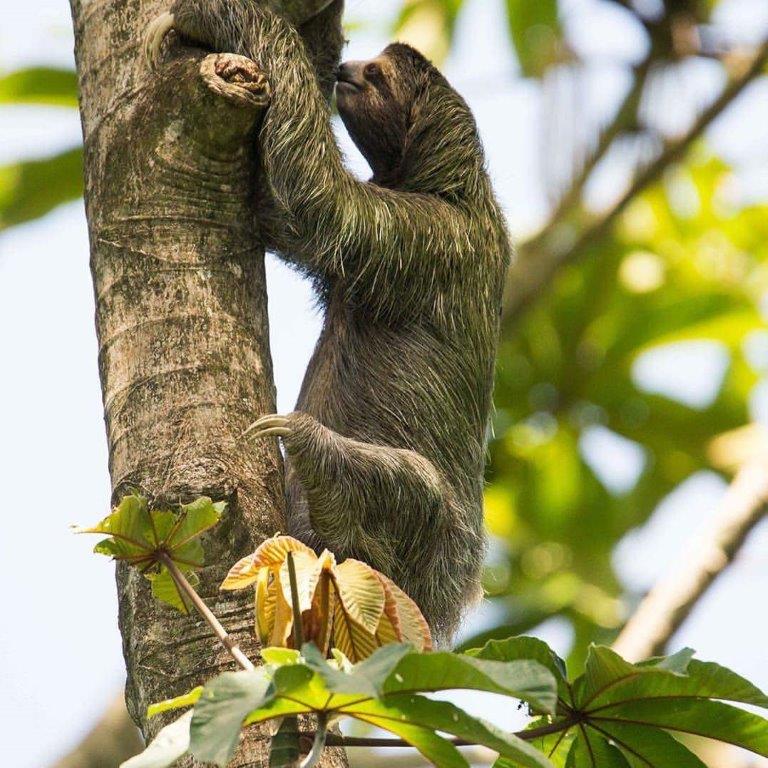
(137, 535)
(615, 715)
(348, 606)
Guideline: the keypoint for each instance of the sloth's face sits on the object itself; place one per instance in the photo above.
(374, 99)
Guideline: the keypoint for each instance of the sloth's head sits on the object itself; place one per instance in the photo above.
(407, 120)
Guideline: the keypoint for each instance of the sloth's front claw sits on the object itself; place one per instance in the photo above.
(270, 425)
(156, 32)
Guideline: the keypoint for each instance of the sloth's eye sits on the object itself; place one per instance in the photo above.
(372, 71)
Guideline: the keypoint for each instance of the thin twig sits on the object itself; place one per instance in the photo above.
(671, 601)
(334, 740)
(534, 268)
(184, 586)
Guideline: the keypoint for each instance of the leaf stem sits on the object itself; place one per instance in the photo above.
(318, 743)
(334, 740)
(184, 586)
(298, 633)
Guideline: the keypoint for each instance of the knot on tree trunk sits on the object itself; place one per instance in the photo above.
(236, 79)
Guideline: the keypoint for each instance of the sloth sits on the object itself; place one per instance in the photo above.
(385, 451)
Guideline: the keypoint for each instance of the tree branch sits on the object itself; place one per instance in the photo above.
(536, 264)
(667, 606)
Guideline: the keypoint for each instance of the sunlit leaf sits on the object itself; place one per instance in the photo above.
(142, 537)
(178, 702)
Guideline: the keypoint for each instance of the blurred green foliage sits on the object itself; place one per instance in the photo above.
(666, 274)
(681, 263)
(33, 187)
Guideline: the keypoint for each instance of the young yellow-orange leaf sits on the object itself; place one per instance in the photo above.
(348, 606)
(283, 624)
(411, 624)
(354, 641)
(265, 602)
(272, 552)
(360, 593)
(242, 574)
(308, 569)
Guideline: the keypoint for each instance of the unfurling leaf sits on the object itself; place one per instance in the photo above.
(138, 535)
(349, 606)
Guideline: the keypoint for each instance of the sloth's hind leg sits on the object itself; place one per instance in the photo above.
(356, 491)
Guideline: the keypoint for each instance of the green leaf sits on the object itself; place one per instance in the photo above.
(535, 32)
(367, 677)
(524, 679)
(280, 656)
(31, 188)
(699, 717)
(526, 648)
(178, 702)
(284, 749)
(651, 748)
(610, 680)
(196, 518)
(165, 590)
(220, 711)
(140, 535)
(171, 743)
(591, 750)
(40, 85)
(398, 709)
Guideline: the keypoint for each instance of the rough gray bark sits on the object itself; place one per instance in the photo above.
(181, 318)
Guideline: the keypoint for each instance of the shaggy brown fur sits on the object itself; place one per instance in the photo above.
(386, 451)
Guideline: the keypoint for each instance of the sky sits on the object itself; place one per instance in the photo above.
(53, 459)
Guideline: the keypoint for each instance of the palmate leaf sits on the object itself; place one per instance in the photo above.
(623, 712)
(138, 535)
(383, 690)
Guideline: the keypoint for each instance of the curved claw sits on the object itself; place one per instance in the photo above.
(157, 30)
(271, 424)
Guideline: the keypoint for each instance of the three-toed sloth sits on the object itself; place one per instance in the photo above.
(385, 452)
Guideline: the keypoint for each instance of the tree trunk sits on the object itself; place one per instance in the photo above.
(181, 319)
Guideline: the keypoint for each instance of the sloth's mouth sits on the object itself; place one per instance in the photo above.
(349, 86)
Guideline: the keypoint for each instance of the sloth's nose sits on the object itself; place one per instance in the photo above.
(350, 72)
